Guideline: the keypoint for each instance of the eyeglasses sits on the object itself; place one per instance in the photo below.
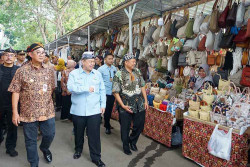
(9, 55)
(40, 53)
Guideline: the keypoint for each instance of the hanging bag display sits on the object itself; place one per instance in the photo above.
(231, 17)
(217, 41)
(227, 40)
(240, 14)
(181, 31)
(196, 42)
(210, 41)
(201, 46)
(156, 34)
(168, 27)
(173, 29)
(213, 25)
(198, 21)
(189, 33)
(180, 23)
(204, 28)
(163, 29)
(223, 15)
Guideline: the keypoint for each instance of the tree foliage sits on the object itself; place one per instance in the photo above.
(28, 21)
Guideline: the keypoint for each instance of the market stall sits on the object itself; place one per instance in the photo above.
(198, 58)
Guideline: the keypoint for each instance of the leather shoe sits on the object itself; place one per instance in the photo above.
(99, 163)
(12, 153)
(47, 156)
(133, 147)
(128, 152)
(108, 131)
(77, 155)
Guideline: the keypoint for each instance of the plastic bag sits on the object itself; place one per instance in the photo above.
(219, 144)
(176, 137)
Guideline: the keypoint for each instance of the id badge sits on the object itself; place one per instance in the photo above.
(45, 87)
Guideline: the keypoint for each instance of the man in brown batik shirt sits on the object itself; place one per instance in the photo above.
(33, 85)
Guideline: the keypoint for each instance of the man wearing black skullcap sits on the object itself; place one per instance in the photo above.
(33, 85)
(7, 72)
(129, 91)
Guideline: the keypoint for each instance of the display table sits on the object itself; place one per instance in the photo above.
(158, 126)
(196, 135)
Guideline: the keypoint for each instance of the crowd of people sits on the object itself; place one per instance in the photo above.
(35, 84)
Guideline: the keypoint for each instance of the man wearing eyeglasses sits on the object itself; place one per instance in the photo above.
(7, 72)
(88, 103)
(33, 85)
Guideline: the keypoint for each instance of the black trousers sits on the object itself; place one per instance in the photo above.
(30, 131)
(11, 139)
(109, 107)
(58, 95)
(92, 123)
(125, 119)
(66, 104)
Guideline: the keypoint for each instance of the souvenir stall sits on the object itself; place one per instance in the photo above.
(198, 76)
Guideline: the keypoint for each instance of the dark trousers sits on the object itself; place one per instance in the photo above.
(11, 139)
(92, 123)
(66, 104)
(58, 95)
(109, 107)
(125, 119)
(30, 130)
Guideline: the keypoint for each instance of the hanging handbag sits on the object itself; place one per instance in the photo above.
(198, 20)
(191, 58)
(156, 34)
(210, 41)
(175, 59)
(173, 30)
(201, 46)
(241, 37)
(189, 33)
(231, 17)
(227, 40)
(228, 65)
(204, 28)
(213, 25)
(180, 23)
(168, 27)
(170, 52)
(196, 42)
(211, 58)
(217, 41)
(181, 31)
(245, 78)
(182, 59)
(163, 29)
(245, 57)
(187, 46)
(240, 14)
(235, 78)
(223, 15)
(164, 63)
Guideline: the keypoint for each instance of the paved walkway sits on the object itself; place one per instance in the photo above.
(150, 154)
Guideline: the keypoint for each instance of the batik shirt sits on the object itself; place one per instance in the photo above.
(129, 91)
(35, 87)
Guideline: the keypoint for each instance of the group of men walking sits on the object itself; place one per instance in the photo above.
(93, 93)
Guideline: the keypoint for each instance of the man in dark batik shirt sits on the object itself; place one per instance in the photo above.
(129, 91)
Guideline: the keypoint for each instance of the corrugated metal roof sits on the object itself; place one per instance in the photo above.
(117, 17)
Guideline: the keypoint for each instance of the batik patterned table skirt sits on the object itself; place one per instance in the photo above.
(158, 126)
(196, 136)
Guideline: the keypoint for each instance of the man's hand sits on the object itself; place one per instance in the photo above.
(16, 119)
(128, 109)
(91, 89)
(102, 110)
(146, 105)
